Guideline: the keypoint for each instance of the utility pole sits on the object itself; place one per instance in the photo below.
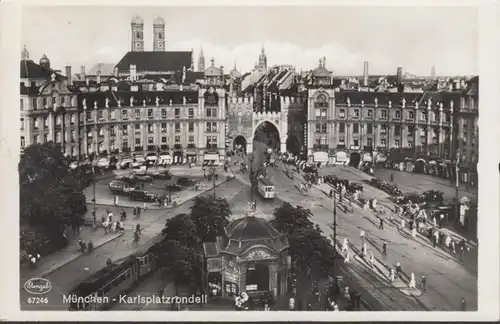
(334, 231)
(457, 206)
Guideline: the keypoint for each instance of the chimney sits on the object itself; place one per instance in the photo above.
(68, 75)
(457, 84)
(222, 79)
(82, 72)
(365, 74)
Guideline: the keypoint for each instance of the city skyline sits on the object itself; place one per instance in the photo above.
(300, 45)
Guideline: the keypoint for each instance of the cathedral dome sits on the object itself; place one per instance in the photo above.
(137, 20)
(159, 21)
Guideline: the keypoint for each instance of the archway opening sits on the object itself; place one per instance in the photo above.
(354, 159)
(257, 277)
(240, 144)
(420, 166)
(266, 136)
(293, 144)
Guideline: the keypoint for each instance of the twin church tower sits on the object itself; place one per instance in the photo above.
(137, 25)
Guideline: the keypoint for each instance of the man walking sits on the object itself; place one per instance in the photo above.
(381, 223)
(384, 248)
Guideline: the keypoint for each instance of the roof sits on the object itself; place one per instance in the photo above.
(155, 61)
(137, 20)
(212, 70)
(150, 96)
(103, 68)
(158, 21)
(321, 71)
(250, 228)
(31, 70)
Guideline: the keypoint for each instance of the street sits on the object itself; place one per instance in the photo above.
(68, 276)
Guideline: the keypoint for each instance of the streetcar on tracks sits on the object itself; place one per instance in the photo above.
(266, 188)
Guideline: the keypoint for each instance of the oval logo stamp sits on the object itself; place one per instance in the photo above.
(37, 286)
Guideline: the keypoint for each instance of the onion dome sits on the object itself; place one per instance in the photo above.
(44, 61)
(137, 20)
(321, 70)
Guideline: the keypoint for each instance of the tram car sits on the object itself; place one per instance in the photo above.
(266, 188)
(101, 290)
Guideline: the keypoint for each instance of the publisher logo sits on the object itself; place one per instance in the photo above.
(37, 286)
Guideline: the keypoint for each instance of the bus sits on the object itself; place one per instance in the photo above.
(266, 188)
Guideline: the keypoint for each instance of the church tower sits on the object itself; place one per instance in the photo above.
(25, 55)
(201, 62)
(137, 26)
(159, 34)
(263, 59)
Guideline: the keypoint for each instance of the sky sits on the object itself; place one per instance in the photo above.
(415, 38)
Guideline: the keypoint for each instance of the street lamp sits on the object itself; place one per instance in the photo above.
(456, 186)
(362, 234)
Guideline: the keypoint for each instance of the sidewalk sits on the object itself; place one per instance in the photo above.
(66, 255)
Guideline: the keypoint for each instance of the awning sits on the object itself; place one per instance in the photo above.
(212, 157)
(320, 157)
(341, 156)
(152, 158)
(367, 157)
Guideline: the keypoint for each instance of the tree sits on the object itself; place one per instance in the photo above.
(50, 195)
(288, 219)
(181, 228)
(182, 263)
(210, 216)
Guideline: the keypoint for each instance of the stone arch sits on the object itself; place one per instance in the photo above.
(293, 144)
(272, 142)
(240, 140)
(420, 166)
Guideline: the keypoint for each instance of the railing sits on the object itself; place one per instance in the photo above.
(164, 147)
(177, 146)
(320, 147)
(191, 146)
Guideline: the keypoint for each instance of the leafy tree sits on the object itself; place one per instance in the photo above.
(288, 219)
(182, 263)
(210, 216)
(181, 228)
(50, 195)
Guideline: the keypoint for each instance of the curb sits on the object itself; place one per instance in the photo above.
(75, 257)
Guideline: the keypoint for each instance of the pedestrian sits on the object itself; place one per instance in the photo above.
(423, 283)
(138, 212)
(122, 215)
(145, 207)
(91, 246)
(434, 222)
(372, 259)
(461, 252)
(384, 248)
(412, 283)
(463, 305)
(453, 247)
(402, 223)
(365, 250)
(32, 261)
(436, 238)
(134, 212)
(414, 232)
(441, 220)
(357, 298)
(398, 269)
(347, 257)
(347, 294)
(345, 245)
(381, 223)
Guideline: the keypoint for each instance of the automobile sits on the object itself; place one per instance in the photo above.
(103, 163)
(125, 163)
(160, 174)
(120, 187)
(140, 177)
(355, 186)
(310, 169)
(138, 161)
(185, 182)
(142, 195)
(173, 187)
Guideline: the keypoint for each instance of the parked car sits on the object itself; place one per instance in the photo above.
(310, 169)
(125, 163)
(186, 182)
(142, 195)
(143, 178)
(120, 187)
(103, 163)
(173, 187)
(139, 161)
(160, 174)
(355, 186)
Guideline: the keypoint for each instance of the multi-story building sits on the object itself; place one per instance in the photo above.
(48, 106)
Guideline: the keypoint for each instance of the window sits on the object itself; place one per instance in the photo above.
(397, 130)
(190, 127)
(37, 124)
(45, 138)
(383, 129)
(45, 123)
(320, 127)
(112, 145)
(370, 113)
(137, 128)
(137, 142)
(356, 142)
(342, 113)
(396, 143)
(411, 130)
(150, 141)
(397, 114)
(211, 141)
(44, 102)
(322, 140)
(423, 116)
(211, 127)
(411, 115)
(177, 112)
(112, 115)
(355, 128)
(37, 139)
(150, 113)
(73, 119)
(58, 137)
(177, 127)
(137, 113)
(34, 103)
(124, 114)
(191, 140)
(356, 113)
(99, 115)
(191, 113)
(111, 131)
(23, 142)
(321, 101)
(323, 113)
(100, 131)
(341, 128)
(383, 142)
(383, 113)
(163, 113)
(447, 117)
(177, 140)
(124, 144)
(73, 136)
(164, 140)
(22, 124)
(211, 112)
(124, 129)
(342, 140)
(22, 104)
(369, 142)
(163, 127)
(150, 128)
(369, 128)
(318, 113)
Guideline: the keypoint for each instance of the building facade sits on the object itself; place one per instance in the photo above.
(48, 106)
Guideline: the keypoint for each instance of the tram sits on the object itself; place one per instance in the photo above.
(266, 188)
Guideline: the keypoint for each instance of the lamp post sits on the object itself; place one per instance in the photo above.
(362, 234)
(457, 215)
(334, 231)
